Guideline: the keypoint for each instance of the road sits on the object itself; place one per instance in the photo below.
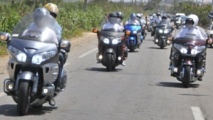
(141, 90)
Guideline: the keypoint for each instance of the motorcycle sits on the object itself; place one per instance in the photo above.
(163, 36)
(33, 66)
(152, 28)
(177, 22)
(209, 32)
(188, 59)
(132, 42)
(111, 53)
(148, 26)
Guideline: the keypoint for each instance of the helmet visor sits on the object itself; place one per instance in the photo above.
(189, 21)
(114, 20)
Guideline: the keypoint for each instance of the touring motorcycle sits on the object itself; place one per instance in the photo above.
(33, 66)
(112, 47)
(188, 57)
(132, 40)
(163, 36)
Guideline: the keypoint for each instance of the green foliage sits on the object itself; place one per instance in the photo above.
(200, 11)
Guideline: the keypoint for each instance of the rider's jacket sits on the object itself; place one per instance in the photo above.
(195, 31)
(115, 27)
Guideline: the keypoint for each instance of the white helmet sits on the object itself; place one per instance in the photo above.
(138, 15)
(194, 18)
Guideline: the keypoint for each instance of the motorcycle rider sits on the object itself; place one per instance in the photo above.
(114, 23)
(54, 10)
(156, 20)
(134, 21)
(142, 22)
(40, 18)
(191, 28)
(164, 21)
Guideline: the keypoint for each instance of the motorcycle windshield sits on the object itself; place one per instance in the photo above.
(131, 27)
(163, 25)
(37, 29)
(189, 39)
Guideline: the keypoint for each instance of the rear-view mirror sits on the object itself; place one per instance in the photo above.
(4, 36)
(65, 45)
(94, 30)
(127, 32)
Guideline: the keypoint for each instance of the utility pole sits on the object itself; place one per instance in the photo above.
(212, 6)
(85, 5)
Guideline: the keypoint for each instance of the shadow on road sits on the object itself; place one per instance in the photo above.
(10, 110)
(102, 69)
(176, 84)
(158, 48)
(194, 95)
(135, 51)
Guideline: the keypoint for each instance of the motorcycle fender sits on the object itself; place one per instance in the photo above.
(162, 40)
(187, 62)
(109, 51)
(63, 79)
(27, 76)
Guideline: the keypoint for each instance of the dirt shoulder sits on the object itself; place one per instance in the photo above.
(74, 41)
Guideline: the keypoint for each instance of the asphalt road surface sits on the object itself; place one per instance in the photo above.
(141, 90)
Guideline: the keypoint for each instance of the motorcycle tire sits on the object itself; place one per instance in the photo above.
(162, 44)
(109, 63)
(187, 76)
(23, 98)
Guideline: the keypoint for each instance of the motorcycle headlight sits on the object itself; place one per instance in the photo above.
(160, 31)
(166, 31)
(105, 40)
(20, 56)
(197, 49)
(115, 41)
(181, 48)
(134, 32)
(39, 58)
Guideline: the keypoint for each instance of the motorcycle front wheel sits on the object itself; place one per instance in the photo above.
(187, 76)
(23, 98)
(109, 62)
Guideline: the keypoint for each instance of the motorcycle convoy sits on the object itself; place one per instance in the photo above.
(34, 66)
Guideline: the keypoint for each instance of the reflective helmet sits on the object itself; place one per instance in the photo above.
(120, 14)
(52, 8)
(138, 15)
(114, 18)
(40, 16)
(133, 16)
(193, 19)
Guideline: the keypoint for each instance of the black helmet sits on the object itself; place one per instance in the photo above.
(115, 17)
(120, 15)
(158, 14)
(40, 16)
(164, 17)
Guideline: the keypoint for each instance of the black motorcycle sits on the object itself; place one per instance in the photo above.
(33, 65)
(163, 36)
(188, 63)
(112, 45)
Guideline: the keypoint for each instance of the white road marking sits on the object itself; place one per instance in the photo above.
(83, 55)
(2, 94)
(66, 64)
(197, 113)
